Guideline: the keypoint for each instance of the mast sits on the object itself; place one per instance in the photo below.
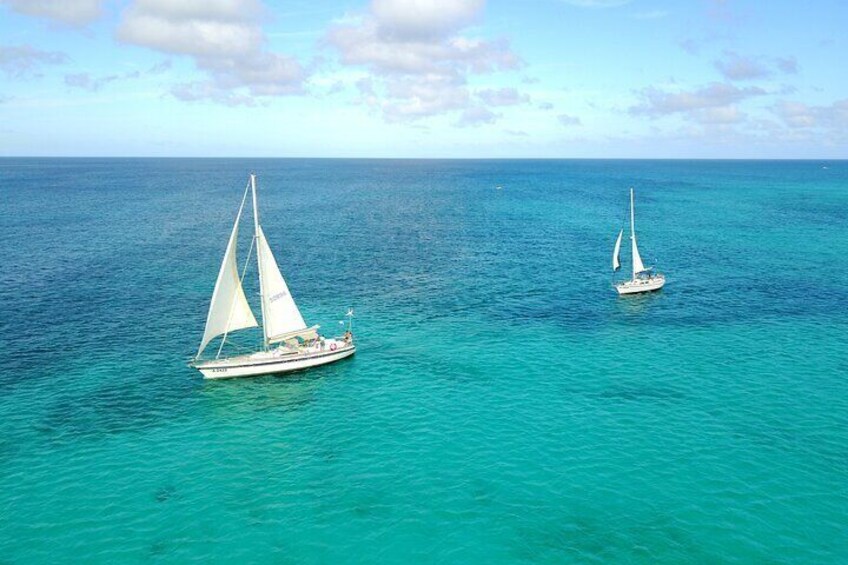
(632, 220)
(638, 266)
(257, 236)
(635, 252)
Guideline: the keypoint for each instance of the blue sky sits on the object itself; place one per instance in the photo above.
(424, 78)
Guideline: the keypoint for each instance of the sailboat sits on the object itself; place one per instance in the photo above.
(644, 278)
(288, 344)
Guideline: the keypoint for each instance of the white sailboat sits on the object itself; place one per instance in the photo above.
(644, 279)
(288, 344)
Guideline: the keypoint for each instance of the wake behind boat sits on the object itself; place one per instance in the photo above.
(288, 344)
(644, 279)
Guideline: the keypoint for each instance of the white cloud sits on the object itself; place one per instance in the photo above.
(424, 18)
(365, 45)
(69, 12)
(216, 28)
(225, 39)
(417, 58)
(428, 95)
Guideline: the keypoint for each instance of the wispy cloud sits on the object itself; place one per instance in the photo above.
(657, 102)
(567, 120)
(86, 81)
(719, 115)
(788, 65)
(596, 3)
(22, 61)
(475, 116)
(502, 97)
(799, 115)
(205, 91)
(690, 45)
(737, 67)
(734, 66)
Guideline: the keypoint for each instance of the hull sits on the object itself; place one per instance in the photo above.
(640, 285)
(267, 363)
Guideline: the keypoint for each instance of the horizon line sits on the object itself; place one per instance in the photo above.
(428, 158)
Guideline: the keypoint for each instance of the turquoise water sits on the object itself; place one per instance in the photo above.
(504, 405)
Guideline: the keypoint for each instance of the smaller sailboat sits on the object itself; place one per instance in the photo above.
(287, 344)
(644, 278)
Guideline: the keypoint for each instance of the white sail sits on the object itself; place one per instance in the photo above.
(280, 316)
(228, 310)
(616, 252)
(638, 266)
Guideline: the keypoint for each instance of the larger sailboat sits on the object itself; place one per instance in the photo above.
(644, 279)
(288, 344)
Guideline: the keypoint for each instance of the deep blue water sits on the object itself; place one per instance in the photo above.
(504, 404)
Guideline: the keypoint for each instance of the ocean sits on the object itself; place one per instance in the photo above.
(504, 404)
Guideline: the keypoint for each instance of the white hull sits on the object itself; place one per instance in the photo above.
(637, 286)
(272, 362)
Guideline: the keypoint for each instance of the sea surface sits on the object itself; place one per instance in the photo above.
(504, 405)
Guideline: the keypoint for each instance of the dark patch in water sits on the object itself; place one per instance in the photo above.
(112, 409)
(257, 515)
(605, 538)
(157, 548)
(163, 494)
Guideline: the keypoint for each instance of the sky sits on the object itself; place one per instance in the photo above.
(424, 78)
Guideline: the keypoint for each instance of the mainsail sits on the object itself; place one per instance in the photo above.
(228, 310)
(616, 252)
